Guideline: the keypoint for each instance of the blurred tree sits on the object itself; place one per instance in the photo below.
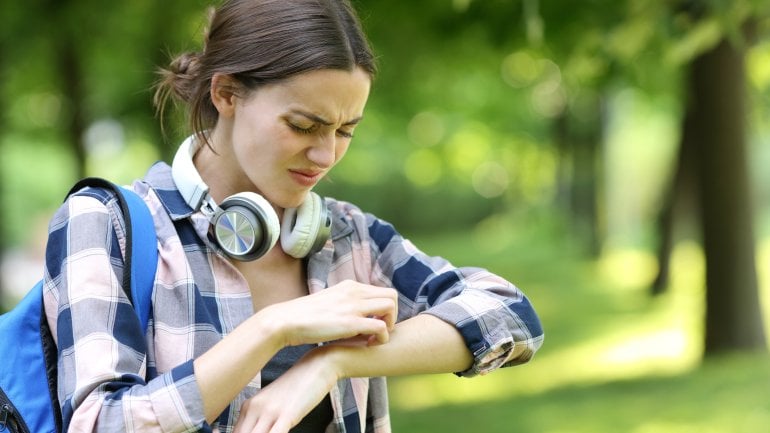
(733, 315)
(712, 163)
(171, 26)
(702, 38)
(68, 64)
(162, 28)
(679, 200)
(580, 125)
(579, 140)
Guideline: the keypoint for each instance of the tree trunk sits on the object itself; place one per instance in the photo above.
(70, 69)
(733, 315)
(587, 136)
(67, 63)
(677, 202)
(578, 143)
(163, 23)
(564, 162)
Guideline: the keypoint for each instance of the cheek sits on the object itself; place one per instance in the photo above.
(265, 140)
(253, 123)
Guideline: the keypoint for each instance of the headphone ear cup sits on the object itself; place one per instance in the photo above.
(246, 227)
(304, 230)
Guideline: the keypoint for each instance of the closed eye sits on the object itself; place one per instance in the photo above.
(345, 134)
(302, 130)
(319, 122)
(340, 132)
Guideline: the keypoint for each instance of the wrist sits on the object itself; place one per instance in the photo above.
(328, 360)
(338, 359)
(272, 327)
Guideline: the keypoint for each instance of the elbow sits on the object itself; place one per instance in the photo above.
(524, 338)
(526, 331)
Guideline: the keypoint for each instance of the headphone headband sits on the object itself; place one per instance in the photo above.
(186, 177)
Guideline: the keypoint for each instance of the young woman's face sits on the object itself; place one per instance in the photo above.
(285, 137)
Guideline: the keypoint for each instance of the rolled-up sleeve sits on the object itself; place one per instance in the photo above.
(102, 354)
(496, 320)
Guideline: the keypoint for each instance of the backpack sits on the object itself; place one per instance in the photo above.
(28, 393)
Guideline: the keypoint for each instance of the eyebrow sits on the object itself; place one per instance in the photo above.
(322, 121)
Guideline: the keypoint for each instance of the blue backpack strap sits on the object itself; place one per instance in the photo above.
(141, 248)
(143, 255)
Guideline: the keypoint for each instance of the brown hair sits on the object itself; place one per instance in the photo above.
(264, 41)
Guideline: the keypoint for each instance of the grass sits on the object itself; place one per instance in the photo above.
(614, 360)
(726, 395)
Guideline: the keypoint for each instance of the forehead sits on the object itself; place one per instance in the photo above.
(329, 92)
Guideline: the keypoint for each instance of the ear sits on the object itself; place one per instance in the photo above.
(223, 93)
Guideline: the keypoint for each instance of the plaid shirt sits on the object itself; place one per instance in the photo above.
(111, 378)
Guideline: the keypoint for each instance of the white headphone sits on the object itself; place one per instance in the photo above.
(245, 225)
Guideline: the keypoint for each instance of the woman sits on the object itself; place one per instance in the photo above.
(248, 335)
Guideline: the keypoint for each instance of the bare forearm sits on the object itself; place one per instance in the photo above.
(344, 311)
(423, 344)
(227, 368)
(420, 345)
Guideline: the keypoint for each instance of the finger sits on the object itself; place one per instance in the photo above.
(389, 321)
(377, 329)
(372, 341)
(358, 340)
(263, 425)
(391, 313)
(390, 317)
(367, 291)
(363, 327)
(245, 419)
(381, 308)
(373, 294)
(280, 426)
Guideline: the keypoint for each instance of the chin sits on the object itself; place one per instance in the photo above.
(293, 201)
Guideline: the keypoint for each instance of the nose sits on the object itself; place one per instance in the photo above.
(323, 153)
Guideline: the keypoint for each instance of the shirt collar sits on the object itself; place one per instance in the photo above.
(159, 178)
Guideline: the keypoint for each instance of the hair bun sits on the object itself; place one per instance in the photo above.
(186, 64)
(177, 81)
(179, 78)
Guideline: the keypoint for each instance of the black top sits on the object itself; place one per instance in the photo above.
(321, 416)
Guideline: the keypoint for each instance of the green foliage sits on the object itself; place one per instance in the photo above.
(462, 115)
(463, 121)
(613, 359)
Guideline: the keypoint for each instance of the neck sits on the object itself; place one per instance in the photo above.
(213, 169)
(220, 170)
(274, 261)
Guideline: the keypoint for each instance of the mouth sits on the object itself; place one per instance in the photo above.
(307, 178)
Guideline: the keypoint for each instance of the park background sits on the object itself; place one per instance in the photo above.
(607, 156)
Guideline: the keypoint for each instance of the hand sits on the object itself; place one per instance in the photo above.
(349, 310)
(282, 404)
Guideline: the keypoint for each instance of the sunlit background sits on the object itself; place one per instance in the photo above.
(538, 139)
